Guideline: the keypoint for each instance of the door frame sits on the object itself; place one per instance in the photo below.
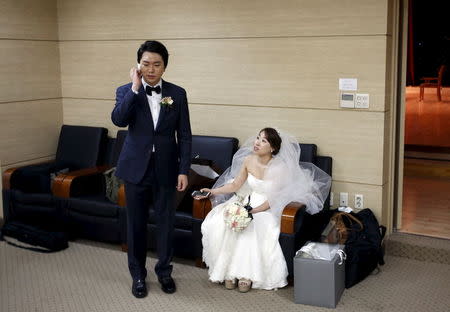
(398, 88)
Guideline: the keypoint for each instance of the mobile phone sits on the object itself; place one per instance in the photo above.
(198, 193)
(139, 67)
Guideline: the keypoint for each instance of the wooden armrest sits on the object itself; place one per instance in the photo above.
(201, 207)
(288, 217)
(63, 182)
(121, 200)
(6, 177)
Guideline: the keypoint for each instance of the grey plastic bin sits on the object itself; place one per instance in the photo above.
(318, 282)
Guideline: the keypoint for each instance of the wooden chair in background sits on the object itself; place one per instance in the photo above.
(433, 82)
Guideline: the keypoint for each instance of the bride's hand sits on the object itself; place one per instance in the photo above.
(203, 190)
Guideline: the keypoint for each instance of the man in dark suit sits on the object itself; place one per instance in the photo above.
(154, 161)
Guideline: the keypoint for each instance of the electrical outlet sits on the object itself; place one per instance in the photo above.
(343, 199)
(359, 201)
(331, 199)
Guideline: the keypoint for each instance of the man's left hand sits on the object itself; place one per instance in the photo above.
(182, 182)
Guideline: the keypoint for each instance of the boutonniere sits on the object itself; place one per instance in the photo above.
(166, 101)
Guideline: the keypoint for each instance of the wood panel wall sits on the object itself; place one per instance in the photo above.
(30, 81)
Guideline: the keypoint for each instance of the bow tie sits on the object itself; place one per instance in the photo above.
(149, 90)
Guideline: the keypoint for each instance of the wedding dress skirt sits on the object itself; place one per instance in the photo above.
(254, 253)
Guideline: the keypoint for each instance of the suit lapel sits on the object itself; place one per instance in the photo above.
(163, 109)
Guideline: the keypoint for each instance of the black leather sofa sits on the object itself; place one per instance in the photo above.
(89, 214)
(27, 194)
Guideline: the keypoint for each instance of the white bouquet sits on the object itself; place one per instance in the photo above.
(236, 216)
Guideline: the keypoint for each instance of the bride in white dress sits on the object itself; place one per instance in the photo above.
(266, 170)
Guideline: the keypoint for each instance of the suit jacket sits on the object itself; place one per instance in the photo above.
(172, 136)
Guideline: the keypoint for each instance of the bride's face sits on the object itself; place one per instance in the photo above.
(261, 146)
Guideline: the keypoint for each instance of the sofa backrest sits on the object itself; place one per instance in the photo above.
(326, 164)
(110, 142)
(114, 147)
(218, 149)
(81, 146)
(115, 153)
(308, 152)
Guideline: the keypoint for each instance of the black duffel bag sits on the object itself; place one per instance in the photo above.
(363, 247)
(40, 240)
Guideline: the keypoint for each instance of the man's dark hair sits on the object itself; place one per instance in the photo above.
(274, 139)
(155, 47)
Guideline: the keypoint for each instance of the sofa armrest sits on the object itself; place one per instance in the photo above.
(7, 175)
(200, 208)
(203, 206)
(121, 199)
(6, 178)
(288, 217)
(63, 182)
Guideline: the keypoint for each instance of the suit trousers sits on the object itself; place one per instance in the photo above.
(140, 197)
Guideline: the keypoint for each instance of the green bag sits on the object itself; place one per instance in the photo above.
(112, 184)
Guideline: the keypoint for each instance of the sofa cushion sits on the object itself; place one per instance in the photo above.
(98, 228)
(36, 208)
(20, 197)
(95, 205)
(183, 220)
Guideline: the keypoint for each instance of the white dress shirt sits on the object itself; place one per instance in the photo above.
(153, 101)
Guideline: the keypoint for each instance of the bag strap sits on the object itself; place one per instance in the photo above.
(27, 247)
(350, 217)
(382, 230)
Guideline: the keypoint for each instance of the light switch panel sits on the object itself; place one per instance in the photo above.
(361, 100)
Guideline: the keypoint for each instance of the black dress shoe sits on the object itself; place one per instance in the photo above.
(139, 289)
(167, 285)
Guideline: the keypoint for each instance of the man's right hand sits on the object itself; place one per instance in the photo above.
(135, 76)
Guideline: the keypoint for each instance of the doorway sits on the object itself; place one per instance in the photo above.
(426, 160)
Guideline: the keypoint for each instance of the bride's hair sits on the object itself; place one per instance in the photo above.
(274, 139)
